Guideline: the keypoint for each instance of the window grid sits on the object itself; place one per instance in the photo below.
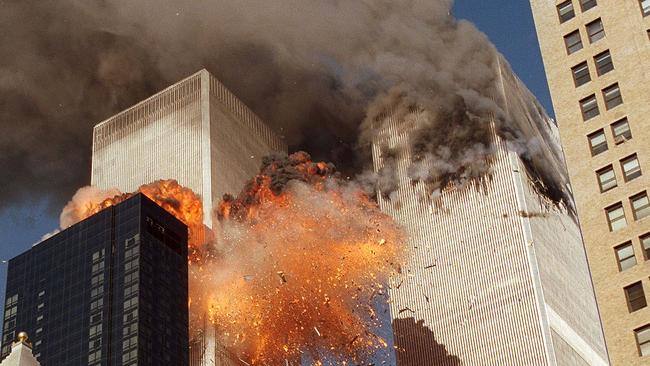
(621, 131)
(604, 63)
(606, 178)
(635, 297)
(589, 107)
(581, 74)
(597, 142)
(625, 256)
(612, 96)
(616, 217)
(596, 31)
(640, 205)
(573, 42)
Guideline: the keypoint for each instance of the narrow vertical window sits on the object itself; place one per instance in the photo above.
(612, 96)
(635, 297)
(573, 42)
(589, 107)
(621, 131)
(587, 4)
(581, 74)
(640, 205)
(643, 340)
(595, 30)
(604, 63)
(631, 167)
(616, 217)
(606, 178)
(565, 11)
(597, 142)
(625, 256)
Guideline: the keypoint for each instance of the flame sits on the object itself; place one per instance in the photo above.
(303, 258)
(180, 201)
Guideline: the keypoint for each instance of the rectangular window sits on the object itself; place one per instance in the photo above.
(604, 63)
(597, 142)
(645, 243)
(616, 217)
(573, 42)
(606, 178)
(631, 167)
(621, 131)
(587, 4)
(645, 7)
(565, 11)
(595, 30)
(635, 297)
(640, 205)
(589, 107)
(581, 74)
(612, 96)
(625, 256)
(643, 340)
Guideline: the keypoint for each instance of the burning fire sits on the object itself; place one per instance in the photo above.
(296, 265)
(303, 258)
(181, 202)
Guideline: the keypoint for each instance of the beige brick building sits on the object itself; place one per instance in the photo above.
(597, 59)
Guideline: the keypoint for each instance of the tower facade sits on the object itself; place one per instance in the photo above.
(597, 60)
(496, 272)
(195, 131)
(109, 290)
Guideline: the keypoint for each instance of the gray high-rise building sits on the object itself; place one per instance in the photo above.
(197, 132)
(497, 273)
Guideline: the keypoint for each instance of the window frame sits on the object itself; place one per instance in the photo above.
(599, 64)
(644, 239)
(585, 116)
(579, 81)
(598, 35)
(570, 49)
(645, 207)
(620, 260)
(618, 98)
(628, 300)
(599, 173)
(645, 11)
(620, 138)
(594, 149)
(645, 328)
(592, 4)
(559, 11)
(612, 208)
(627, 177)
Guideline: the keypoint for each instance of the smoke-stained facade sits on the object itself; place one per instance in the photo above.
(195, 131)
(110, 290)
(497, 272)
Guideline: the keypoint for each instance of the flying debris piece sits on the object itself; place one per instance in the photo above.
(248, 278)
(430, 266)
(406, 309)
(382, 241)
(282, 277)
(317, 332)
(244, 362)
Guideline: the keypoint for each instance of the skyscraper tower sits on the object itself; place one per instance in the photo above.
(497, 272)
(110, 290)
(197, 132)
(597, 59)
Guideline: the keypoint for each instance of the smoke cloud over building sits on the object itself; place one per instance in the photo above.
(319, 72)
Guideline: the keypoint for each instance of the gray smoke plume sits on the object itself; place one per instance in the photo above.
(320, 72)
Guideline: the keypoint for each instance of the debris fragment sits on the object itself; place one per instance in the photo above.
(406, 309)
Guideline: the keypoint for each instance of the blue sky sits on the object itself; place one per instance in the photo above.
(508, 23)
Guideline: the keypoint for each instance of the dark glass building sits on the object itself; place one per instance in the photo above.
(110, 290)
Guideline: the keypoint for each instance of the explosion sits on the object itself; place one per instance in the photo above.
(181, 202)
(296, 265)
(302, 258)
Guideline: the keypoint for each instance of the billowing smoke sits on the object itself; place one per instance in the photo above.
(322, 73)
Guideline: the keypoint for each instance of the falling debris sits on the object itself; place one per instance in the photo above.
(282, 278)
(406, 309)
